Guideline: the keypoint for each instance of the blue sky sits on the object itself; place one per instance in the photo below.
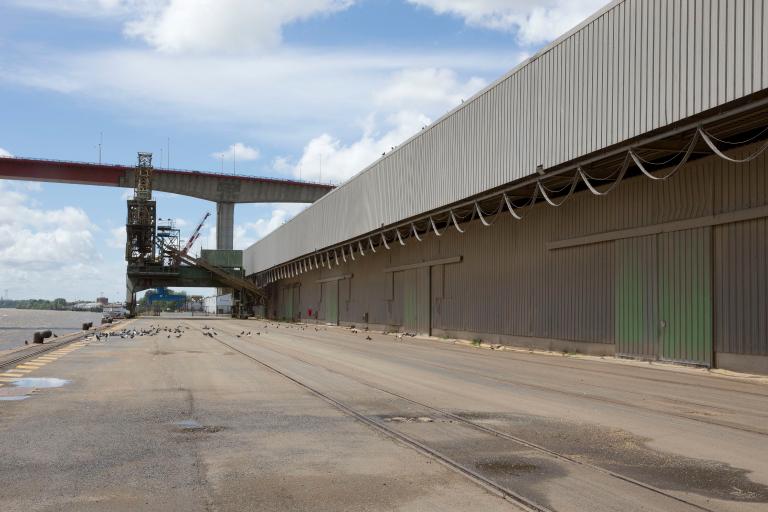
(299, 86)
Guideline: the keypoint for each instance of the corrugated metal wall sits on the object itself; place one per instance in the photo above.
(741, 287)
(638, 66)
(710, 284)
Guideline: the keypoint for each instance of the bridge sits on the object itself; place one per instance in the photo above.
(225, 190)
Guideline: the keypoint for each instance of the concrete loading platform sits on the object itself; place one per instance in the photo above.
(213, 414)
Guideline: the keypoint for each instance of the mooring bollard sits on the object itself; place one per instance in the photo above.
(37, 337)
(46, 334)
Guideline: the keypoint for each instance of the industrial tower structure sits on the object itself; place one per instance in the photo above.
(140, 227)
(155, 258)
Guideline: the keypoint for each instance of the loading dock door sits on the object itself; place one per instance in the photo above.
(685, 296)
(416, 297)
(423, 301)
(330, 299)
(663, 297)
(637, 323)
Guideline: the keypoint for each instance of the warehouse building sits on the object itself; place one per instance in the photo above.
(607, 196)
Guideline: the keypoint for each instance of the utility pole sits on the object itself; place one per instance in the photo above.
(101, 143)
(234, 156)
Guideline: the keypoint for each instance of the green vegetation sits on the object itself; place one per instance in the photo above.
(56, 304)
(477, 342)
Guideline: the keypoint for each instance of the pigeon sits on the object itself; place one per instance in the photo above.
(368, 338)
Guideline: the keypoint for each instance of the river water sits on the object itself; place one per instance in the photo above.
(17, 325)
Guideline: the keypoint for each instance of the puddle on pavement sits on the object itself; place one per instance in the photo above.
(196, 426)
(40, 382)
(13, 398)
(629, 455)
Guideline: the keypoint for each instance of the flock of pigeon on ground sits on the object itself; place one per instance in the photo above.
(152, 330)
(179, 330)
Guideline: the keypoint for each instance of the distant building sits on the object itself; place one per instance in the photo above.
(88, 306)
(218, 304)
(102, 300)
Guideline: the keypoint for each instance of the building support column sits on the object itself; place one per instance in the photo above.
(225, 225)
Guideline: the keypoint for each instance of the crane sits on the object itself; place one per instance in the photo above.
(195, 235)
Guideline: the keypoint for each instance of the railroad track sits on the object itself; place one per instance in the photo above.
(62, 342)
(522, 502)
(587, 396)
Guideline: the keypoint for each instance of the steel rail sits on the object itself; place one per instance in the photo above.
(510, 437)
(474, 425)
(596, 398)
(507, 494)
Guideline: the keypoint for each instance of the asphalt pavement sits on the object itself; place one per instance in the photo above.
(218, 415)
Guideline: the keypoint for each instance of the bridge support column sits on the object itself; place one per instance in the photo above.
(130, 297)
(225, 225)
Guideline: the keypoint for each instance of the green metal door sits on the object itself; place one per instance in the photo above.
(637, 323)
(685, 296)
(331, 302)
(410, 301)
(423, 301)
(413, 287)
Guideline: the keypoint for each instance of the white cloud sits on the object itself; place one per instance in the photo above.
(239, 151)
(533, 22)
(35, 239)
(284, 97)
(5, 154)
(406, 104)
(177, 26)
(328, 159)
(116, 239)
(223, 25)
(427, 89)
(281, 213)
